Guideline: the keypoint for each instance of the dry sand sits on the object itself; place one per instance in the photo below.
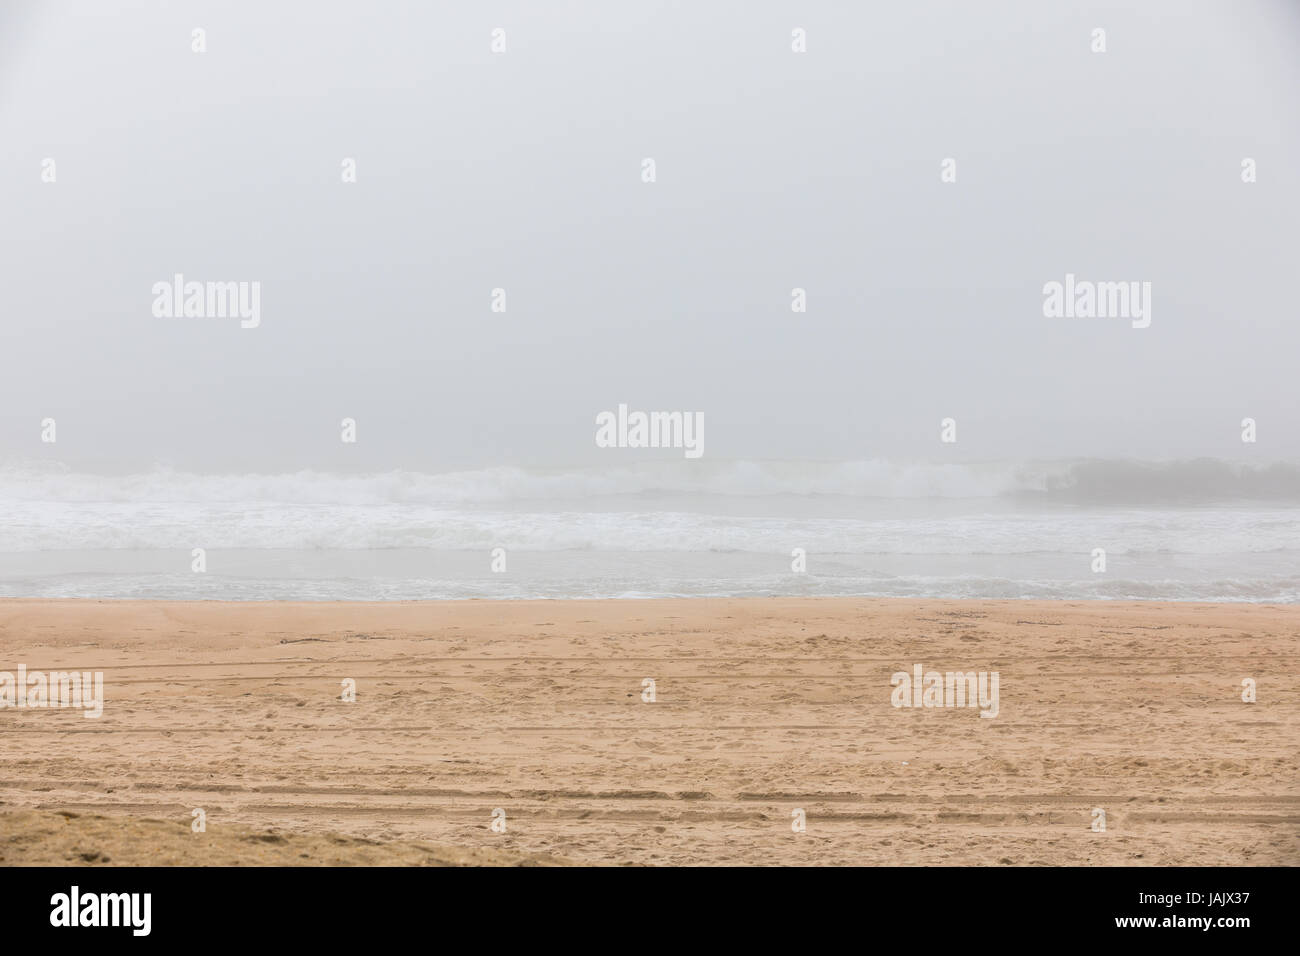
(764, 706)
(47, 838)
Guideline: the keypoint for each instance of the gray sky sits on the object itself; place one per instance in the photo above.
(522, 170)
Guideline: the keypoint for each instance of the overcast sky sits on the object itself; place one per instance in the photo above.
(523, 170)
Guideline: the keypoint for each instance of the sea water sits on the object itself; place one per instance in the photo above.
(1201, 530)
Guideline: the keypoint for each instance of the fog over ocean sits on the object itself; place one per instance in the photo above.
(1202, 530)
(824, 229)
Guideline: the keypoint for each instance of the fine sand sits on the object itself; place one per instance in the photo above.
(46, 838)
(763, 707)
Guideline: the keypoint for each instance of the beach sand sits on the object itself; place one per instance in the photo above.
(763, 707)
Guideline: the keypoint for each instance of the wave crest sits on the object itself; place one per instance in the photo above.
(1089, 481)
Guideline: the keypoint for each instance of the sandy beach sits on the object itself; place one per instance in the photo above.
(762, 708)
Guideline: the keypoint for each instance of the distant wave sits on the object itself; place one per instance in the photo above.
(122, 526)
(1197, 480)
(1179, 530)
(1083, 481)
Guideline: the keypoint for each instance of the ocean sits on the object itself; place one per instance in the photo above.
(1199, 530)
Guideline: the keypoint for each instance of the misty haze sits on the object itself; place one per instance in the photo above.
(341, 300)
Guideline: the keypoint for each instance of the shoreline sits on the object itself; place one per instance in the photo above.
(694, 598)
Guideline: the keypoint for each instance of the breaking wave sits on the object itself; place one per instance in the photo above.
(1083, 481)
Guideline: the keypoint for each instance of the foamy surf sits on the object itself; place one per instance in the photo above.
(1222, 532)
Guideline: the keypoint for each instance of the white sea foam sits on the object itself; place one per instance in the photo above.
(42, 526)
(1201, 530)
